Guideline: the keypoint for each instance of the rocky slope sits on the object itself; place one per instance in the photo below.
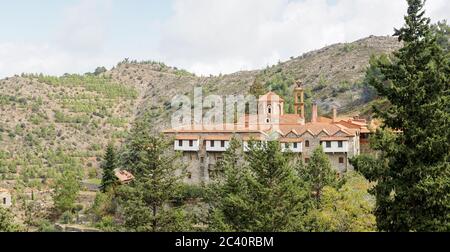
(52, 123)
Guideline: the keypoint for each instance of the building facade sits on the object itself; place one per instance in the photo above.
(340, 138)
(5, 198)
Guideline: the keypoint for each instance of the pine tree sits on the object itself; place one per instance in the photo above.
(442, 31)
(109, 165)
(319, 173)
(257, 88)
(146, 202)
(413, 171)
(264, 194)
(229, 183)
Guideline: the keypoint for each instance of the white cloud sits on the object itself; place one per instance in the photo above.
(213, 36)
(84, 28)
(78, 45)
(43, 58)
(210, 36)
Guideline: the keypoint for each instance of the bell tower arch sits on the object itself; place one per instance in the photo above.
(299, 99)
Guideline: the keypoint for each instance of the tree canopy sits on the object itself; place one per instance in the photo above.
(413, 171)
(109, 165)
(262, 194)
(147, 201)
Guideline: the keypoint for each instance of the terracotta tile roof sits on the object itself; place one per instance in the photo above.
(290, 119)
(323, 119)
(271, 96)
(314, 129)
(334, 139)
(256, 138)
(217, 137)
(227, 128)
(187, 137)
(124, 176)
(291, 140)
(365, 130)
(348, 124)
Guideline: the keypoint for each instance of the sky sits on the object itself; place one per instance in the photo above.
(203, 36)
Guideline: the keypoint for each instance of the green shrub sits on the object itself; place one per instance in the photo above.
(106, 224)
(46, 226)
(190, 192)
(67, 217)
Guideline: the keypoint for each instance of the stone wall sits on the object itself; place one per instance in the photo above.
(201, 164)
(75, 228)
(5, 199)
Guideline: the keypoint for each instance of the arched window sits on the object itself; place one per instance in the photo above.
(306, 143)
(267, 120)
(269, 109)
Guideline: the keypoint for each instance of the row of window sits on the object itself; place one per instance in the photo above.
(328, 144)
(286, 145)
(191, 143)
(222, 144)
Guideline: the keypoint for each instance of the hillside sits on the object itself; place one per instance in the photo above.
(48, 124)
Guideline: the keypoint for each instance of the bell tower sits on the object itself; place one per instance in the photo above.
(299, 99)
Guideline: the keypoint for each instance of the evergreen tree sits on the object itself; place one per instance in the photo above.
(222, 190)
(413, 171)
(319, 173)
(109, 165)
(65, 191)
(264, 194)
(100, 70)
(257, 88)
(146, 202)
(442, 31)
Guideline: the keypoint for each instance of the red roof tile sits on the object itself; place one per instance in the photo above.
(124, 176)
(217, 137)
(271, 96)
(334, 139)
(291, 140)
(187, 137)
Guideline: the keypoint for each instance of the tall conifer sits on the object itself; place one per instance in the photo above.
(413, 179)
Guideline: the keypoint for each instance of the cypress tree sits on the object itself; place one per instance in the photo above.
(109, 165)
(413, 171)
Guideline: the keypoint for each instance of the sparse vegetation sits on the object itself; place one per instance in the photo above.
(53, 131)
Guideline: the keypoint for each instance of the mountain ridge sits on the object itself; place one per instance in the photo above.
(52, 123)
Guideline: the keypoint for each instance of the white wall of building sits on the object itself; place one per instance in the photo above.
(335, 147)
(5, 199)
(186, 145)
(292, 148)
(217, 146)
